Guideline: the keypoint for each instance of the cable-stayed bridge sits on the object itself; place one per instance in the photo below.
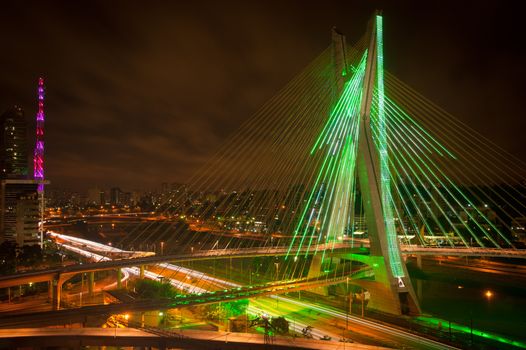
(122, 258)
(345, 153)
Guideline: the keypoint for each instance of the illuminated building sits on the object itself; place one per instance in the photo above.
(20, 211)
(21, 198)
(13, 144)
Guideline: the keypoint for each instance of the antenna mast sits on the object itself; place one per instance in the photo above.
(38, 160)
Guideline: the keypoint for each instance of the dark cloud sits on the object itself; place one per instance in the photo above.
(143, 92)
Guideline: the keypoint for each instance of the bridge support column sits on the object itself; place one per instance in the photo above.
(119, 278)
(386, 294)
(56, 290)
(91, 282)
(50, 291)
(419, 293)
(141, 272)
(315, 271)
(419, 261)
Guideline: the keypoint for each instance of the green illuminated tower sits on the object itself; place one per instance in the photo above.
(391, 290)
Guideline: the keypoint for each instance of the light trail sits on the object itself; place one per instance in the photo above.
(428, 343)
(127, 271)
(97, 246)
(297, 326)
(197, 274)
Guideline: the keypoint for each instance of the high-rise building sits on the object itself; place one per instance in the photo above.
(21, 195)
(96, 196)
(13, 144)
(20, 211)
(115, 196)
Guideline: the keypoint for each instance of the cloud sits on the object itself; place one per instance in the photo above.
(138, 94)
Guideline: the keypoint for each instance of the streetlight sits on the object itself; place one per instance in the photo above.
(277, 270)
(162, 248)
(81, 287)
(348, 309)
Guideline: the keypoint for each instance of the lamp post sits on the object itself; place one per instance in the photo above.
(81, 287)
(347, 309)
(277, 276)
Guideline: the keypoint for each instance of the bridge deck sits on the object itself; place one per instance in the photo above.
(187, 339)
(340, 248)
(49, 274)
(79, 315)
(465, 251)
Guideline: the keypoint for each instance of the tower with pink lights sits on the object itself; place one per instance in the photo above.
(38, 160)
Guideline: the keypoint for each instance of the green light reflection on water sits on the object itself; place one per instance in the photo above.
(476, 332)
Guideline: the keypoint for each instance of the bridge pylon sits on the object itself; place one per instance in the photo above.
(391, 291)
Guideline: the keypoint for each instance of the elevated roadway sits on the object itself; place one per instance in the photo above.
(189, 339)
(464, 251)
(336, 249)
(55, 274)
(80, 315)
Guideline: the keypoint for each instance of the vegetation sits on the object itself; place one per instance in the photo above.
(7, 258)
(280, 325)
(307, 332)
(150, 289)
(236, 308)
(14, 258)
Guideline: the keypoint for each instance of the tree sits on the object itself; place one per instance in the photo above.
(7, 258)
(30, 255)
(263, 321)
(148, 289)
(280, 325)
(307, 332)
(236, 308)
(214, 312)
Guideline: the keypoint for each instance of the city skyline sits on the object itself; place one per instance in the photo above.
(125, 85)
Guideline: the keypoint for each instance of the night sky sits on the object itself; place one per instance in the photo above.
(143, 92)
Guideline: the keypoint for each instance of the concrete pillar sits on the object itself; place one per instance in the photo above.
(315, 271)
(419, 261)
(141, 272)
(91, 282)
(419, 293)
(56, 290)
(315, 266)
(119, 278)
(50, 291)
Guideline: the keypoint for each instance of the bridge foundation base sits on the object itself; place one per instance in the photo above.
(386, 293)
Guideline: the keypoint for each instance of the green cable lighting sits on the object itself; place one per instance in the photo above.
(395, 260)
(327, 209)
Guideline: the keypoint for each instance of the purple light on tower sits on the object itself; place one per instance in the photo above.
(38, 160)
